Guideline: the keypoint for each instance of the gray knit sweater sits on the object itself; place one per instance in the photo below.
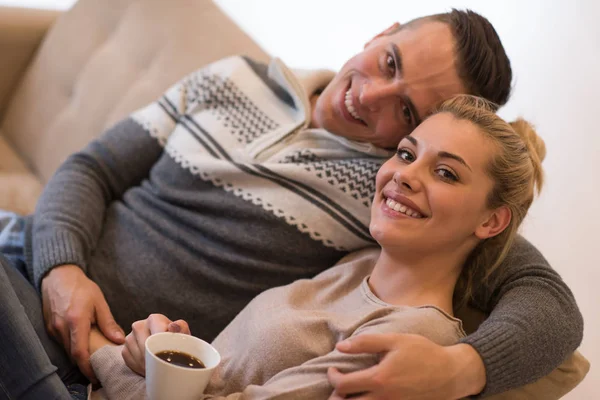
(218, 191)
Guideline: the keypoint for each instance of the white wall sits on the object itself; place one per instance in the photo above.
(555, 51)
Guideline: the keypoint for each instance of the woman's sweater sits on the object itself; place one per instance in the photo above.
(281, 345)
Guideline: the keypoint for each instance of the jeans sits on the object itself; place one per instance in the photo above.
(26, 372)
(12, 239)
(32, 364)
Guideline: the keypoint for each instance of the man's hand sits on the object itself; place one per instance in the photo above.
(134, 352)
(71, 304)
(412, 367)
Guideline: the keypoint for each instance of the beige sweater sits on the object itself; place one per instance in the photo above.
(281, 345)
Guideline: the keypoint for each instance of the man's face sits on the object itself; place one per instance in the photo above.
(380, 95)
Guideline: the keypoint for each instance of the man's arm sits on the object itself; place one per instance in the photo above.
(534, 324)
(534, 321)
(69, 219)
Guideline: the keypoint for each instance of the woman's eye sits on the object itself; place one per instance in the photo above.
(405, 155)
(446, 174)
(390, 64)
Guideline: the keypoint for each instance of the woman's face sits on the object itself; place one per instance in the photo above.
(431, 195)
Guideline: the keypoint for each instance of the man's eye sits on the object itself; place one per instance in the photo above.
(390, 64)
(405, 155)
(407, 114)
(446, 174)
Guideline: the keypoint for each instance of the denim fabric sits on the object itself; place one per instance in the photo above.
(12, 239)
(28, 356)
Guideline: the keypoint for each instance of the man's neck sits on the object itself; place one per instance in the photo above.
(417, 279)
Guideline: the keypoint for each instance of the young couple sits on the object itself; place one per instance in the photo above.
(243, 177)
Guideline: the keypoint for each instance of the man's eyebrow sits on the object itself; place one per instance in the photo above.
(400, 70)
(445, 154)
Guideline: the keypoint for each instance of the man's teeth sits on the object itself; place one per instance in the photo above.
(394, 205)
(350, 107)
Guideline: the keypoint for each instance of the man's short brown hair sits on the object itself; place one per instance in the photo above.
(482, 63)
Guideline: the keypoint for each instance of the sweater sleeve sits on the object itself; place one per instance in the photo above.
(70, 213)
(118, 381)
(534, 321)
(308, 380)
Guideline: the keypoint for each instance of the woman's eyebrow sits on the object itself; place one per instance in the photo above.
(445, 154)
(441, 154)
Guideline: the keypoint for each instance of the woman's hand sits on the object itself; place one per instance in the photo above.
(97, 340)
(134, 352)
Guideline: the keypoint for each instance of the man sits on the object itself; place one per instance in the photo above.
(264, 178)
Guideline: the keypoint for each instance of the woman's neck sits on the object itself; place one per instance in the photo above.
(407, 279)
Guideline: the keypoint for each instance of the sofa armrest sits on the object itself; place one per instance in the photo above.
(21, 32)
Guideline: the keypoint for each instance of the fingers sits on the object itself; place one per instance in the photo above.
(133, 360)
(106, 321)
(373, 343)
(59, 330)
(336, 396)
(180, 326)
(158, 323)
(354, 382)
(140, 331)
(79, 346)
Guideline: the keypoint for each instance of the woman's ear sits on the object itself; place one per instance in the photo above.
(395, 27)
(495, 224)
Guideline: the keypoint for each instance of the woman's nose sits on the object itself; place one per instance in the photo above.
(408, 179)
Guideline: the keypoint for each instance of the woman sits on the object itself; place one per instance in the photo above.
(446, 210)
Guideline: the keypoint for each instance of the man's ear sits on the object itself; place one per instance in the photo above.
(388, 31)
(495, 224)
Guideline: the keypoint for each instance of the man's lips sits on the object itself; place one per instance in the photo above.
(344, 109)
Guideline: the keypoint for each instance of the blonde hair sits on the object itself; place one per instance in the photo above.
(516, 170)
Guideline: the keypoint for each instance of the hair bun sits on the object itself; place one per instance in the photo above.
(535, 146)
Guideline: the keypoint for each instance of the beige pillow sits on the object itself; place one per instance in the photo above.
(554, 385)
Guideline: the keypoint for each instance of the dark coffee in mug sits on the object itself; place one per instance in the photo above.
(180, 359)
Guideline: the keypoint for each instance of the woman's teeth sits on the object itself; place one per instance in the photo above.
(394, 205)
(350, 107)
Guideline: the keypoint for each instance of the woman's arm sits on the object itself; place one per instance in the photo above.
(306, 381)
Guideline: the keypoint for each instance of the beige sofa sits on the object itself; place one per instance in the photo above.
(69, 76)
(65, 77)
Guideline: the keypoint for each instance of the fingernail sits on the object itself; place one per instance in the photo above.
(119, 335)
(173, 327)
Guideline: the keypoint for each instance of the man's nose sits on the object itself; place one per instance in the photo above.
(378, 92)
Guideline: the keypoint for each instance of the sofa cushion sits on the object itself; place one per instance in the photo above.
(19, 187)
(103, 60)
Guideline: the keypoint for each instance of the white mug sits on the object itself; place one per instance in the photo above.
(166, 381)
